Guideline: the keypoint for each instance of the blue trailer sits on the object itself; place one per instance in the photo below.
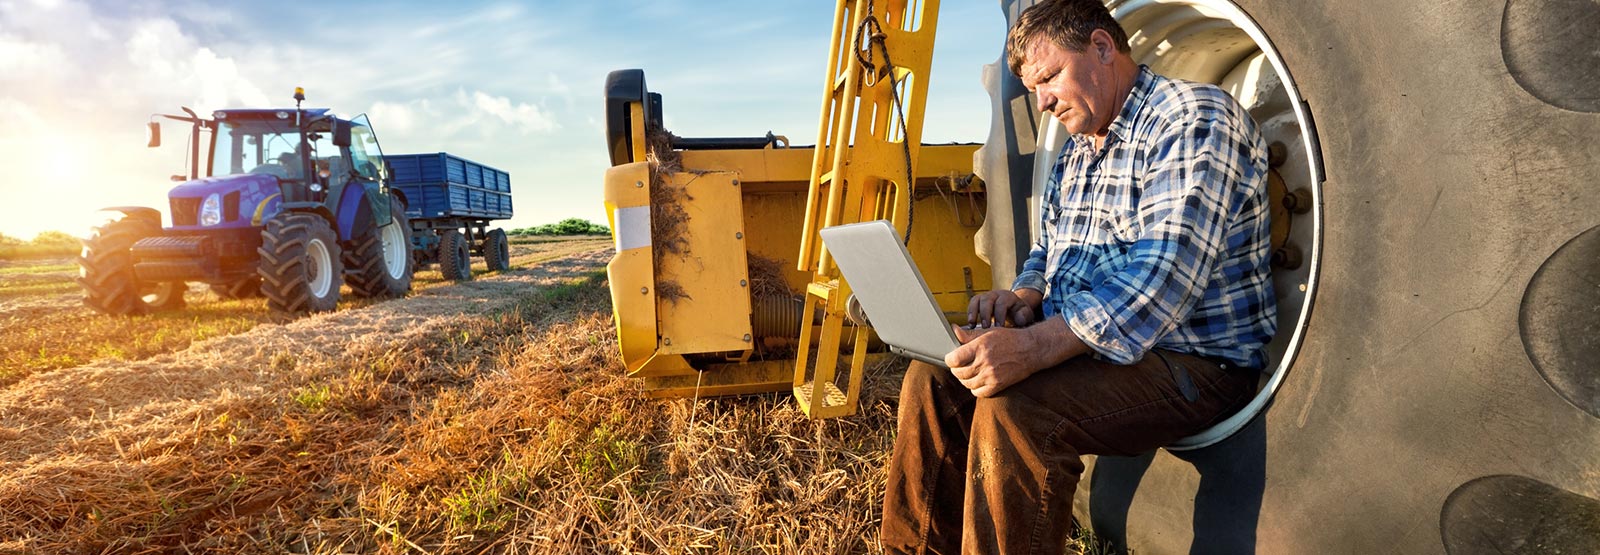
(450, 202)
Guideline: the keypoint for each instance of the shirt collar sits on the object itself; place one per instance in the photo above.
(1120, 127)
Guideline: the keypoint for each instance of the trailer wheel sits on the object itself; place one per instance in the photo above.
(300, 264)
(454, 260)
(105, 270)
(242, 288)
(497, 251)
(381, 258)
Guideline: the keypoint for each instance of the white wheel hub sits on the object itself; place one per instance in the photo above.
(394, 250)
(319, 268)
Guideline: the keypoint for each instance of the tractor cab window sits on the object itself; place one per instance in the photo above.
(260, 146)
(365, 155)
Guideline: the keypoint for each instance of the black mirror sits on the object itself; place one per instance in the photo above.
(154, 133)
(341, 133)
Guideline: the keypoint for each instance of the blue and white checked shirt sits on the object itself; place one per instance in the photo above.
(1162, 238)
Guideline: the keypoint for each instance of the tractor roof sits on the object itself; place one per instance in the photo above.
(266, 113)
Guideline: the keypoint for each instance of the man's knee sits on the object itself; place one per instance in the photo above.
(920, 377)
(931, 388)
(1004, 410)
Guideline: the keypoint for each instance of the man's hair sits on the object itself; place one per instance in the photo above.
(1067, 23)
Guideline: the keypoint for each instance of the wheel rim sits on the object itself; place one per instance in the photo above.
(161, 293)
(1214, 41)
(394, 250)
(319, 268)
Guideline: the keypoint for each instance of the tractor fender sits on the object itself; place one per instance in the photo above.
(143, 212)
(400, 196)
(354, 213)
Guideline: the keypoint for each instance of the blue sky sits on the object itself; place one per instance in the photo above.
(512, 85)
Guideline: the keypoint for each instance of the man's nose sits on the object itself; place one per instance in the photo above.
(1043, 101)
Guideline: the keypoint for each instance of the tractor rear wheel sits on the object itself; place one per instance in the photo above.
(300, 264)
(497, 251)
(381, 258)
(105, 270)
(242, 288)
(454, 260)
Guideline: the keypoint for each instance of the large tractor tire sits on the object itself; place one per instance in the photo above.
(380, 261)
(1444, 396)
(105, 270)
(243, 288)
(300, 264)
(455, 260)
(497, 251)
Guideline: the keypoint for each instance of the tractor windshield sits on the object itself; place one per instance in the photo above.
(264, 146)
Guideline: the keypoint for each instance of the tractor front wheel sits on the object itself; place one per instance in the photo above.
(105, 270)
(300, 265)
(454, 260)
(381, 258)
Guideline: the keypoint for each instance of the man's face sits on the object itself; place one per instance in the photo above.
(1073, 87)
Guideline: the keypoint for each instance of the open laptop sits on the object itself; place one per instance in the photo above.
(891, 290)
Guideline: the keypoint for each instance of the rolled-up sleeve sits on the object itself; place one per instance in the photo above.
(1182, 215)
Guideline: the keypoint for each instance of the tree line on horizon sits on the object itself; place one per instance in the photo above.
(46, 243)
(569, 226)
(57, 243)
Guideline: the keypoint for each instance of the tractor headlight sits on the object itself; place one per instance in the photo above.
(211, 210)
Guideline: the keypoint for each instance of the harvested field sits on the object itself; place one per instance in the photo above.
(488, 416)
(44, 325)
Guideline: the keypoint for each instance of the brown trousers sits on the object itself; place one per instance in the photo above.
(997, 475)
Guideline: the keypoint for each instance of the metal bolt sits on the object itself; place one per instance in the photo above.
(747, 338)
(735, 183)
(666, 341)
(742, 283)
(738, 235)
(1287, 257)
(644, 290)
(639, 184)
(1298, 201)
(1302, 288)
(1277, 154)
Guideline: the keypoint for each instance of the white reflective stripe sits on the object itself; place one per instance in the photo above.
(633, 227)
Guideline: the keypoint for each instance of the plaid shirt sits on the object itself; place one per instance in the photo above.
(1161, 239)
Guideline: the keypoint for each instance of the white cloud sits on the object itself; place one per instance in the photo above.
(167, 61)
(19, 56)
(526, 117)
(394, 118)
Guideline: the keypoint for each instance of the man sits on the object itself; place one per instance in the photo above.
(1138, 319)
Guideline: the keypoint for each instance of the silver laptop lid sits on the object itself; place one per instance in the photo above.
(891, 290)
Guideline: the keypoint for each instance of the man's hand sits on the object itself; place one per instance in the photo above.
(990, 360)
(1003, 308)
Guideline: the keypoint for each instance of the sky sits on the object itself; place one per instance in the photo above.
(514, 85)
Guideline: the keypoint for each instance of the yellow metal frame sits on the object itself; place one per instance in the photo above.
(859, 172)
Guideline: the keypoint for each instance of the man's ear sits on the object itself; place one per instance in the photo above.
(1100, 41)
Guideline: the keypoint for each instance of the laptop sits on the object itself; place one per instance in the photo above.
(891, 290)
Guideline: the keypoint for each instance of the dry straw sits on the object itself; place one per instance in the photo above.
(412, 427)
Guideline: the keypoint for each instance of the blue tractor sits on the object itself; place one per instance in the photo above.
(288, 204)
